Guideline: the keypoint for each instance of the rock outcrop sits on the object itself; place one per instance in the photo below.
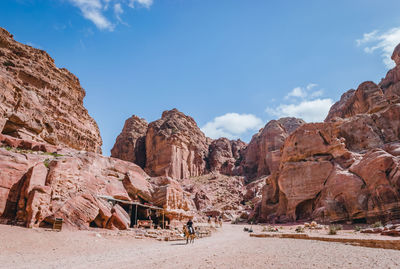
(262, 155)
(131, 143)
(37, 186)
(345, 168)
(224, 156)
(175, 146)
(41, 102)
(215, 194)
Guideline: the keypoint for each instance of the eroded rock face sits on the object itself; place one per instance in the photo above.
(131, 143)
(345, 168)
(175, 147)
(368, 98)
(41, 102)
(262, 155)
(217, 194)
(37, 187)
(224, 155)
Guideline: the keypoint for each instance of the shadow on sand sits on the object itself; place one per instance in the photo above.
(179, 244)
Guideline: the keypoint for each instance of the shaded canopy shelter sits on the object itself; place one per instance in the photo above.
(131, 204)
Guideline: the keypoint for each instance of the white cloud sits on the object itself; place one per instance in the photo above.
(92, 10)
(311, 86)
(304, 92)
(317, 93)
(145, 3)
(385, 42)
(96, 10)
(231, 125)
(118, 11)
(310, 111)
(305, 103)
(296, 92)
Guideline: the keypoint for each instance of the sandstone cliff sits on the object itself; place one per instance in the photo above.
(262, 155)
(175, 146)
(225, 155)
(131, 143)
(40, 101)
(37, 186)
(345, 168)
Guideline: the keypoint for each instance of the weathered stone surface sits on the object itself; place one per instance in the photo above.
(224, 155)
(368, 98)
(41, 102)
(262, 155)
(130, 144)
(13, 167)
(38, 205)
(175, 146)
(216, 194)
(75, 186)
(342, 198)
(78, 211)
(119, 219)
(346, 168)
(35, 177)
(301, 182)
(138, 186)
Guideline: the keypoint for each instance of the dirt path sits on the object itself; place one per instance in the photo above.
(227, 248)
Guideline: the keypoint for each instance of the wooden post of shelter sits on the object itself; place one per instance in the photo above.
(163, 221)
(136, 216)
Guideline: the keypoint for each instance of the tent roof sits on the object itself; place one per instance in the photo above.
(109, 198)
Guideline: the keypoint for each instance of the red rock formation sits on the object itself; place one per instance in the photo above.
(41, 102)
(368, 98)
(224, 155)
(175, 146)
(131, 143)
(37, 186)
(262, 155)
(170, 195)
(346, 168)
(119, 219)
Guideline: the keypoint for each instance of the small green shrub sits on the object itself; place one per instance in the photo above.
(46, 163)
(235, 221)
(357, 228)
(54, 154)
(377, 224)
(299, 229)
(333, 229)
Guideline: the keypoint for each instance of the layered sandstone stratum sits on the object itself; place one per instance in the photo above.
(41, 102)
(344, 169)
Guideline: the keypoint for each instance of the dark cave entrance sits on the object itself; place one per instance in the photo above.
(304, 210)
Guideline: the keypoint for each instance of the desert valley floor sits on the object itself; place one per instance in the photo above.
(229, 247)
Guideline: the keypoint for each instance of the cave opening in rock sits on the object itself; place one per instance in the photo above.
(11, 129)
(304, 210)
(360, 221)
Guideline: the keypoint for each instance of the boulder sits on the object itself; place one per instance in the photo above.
(138, 186)
(38, 205)
(119, 219)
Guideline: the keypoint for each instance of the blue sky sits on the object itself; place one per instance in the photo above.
(232, 65)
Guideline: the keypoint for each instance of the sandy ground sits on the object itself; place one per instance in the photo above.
(230, 247)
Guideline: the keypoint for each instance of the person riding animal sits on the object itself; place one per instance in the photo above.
(189, 232)
(189, 225)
